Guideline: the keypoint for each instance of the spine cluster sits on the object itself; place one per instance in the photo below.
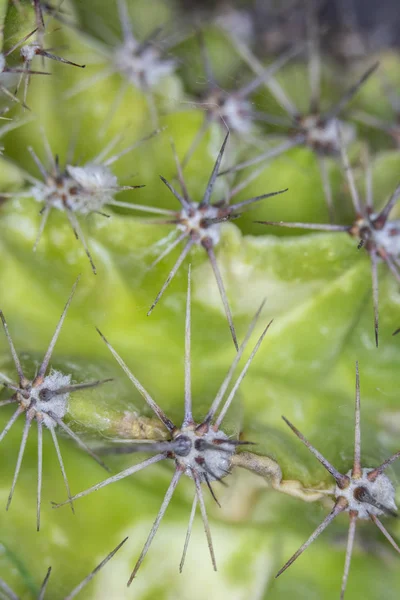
(202, 449)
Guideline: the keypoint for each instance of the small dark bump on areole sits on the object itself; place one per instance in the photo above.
(182, 445)
(360, 494)
(200, 445)
(45, 395)
(205, 223)
(379, 223)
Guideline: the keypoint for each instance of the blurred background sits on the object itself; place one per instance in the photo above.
(318, 289)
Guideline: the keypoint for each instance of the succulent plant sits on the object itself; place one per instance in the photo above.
(316, 286)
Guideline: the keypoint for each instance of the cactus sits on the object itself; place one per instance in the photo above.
(315, 286)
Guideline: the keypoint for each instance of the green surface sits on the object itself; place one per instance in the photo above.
(318, 292)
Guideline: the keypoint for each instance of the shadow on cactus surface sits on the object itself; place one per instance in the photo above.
(152, 74)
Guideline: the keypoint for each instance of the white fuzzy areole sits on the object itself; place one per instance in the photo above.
(326, 135)
(381, 490)
(217, 461)
(28, 52)
(57, 195)
(191, 222)
(81, 189)
(92, 177)
(235, 111)
(57, 404)
(388, 238)
(96, 183)
(145, 69)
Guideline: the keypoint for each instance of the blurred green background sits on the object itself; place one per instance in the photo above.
(318, 291)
